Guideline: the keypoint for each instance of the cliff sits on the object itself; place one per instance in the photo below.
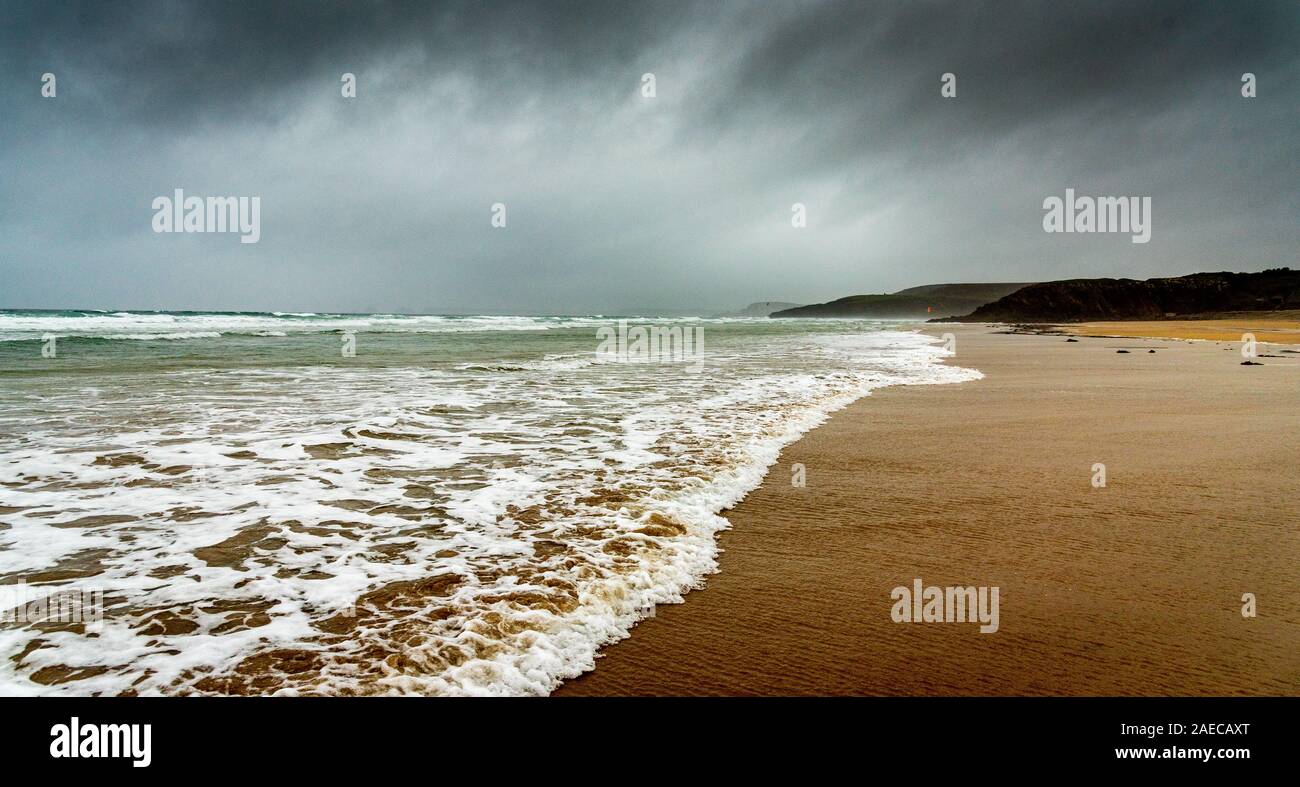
(930, 300)
(1081, 300)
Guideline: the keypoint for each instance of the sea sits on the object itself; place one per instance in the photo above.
(355, 504)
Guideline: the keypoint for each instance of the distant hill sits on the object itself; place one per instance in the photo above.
(930, 300)
(1082, 300)
(760, 309)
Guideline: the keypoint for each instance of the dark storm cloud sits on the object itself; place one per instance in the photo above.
(1020, 65)
(172, 63)
(616, 201)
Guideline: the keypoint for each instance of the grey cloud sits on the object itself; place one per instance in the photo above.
(618, 202)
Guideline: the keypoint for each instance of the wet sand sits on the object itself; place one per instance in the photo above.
(1131, 589)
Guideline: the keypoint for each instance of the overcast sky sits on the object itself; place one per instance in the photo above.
(615, 201)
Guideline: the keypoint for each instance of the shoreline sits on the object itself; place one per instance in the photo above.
(1134, 588)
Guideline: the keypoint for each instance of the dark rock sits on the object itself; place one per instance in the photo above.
(931, 300)
(1081, 300)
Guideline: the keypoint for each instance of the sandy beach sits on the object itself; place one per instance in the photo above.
(1285, 331)
(1134, 588)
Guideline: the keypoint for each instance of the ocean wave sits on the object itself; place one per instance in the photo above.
(398, 530)
(154, 326)
(134, 325)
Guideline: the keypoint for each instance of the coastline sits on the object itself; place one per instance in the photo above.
(1131, 589)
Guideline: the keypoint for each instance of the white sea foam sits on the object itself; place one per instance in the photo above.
(18, 326)
(546, 505)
